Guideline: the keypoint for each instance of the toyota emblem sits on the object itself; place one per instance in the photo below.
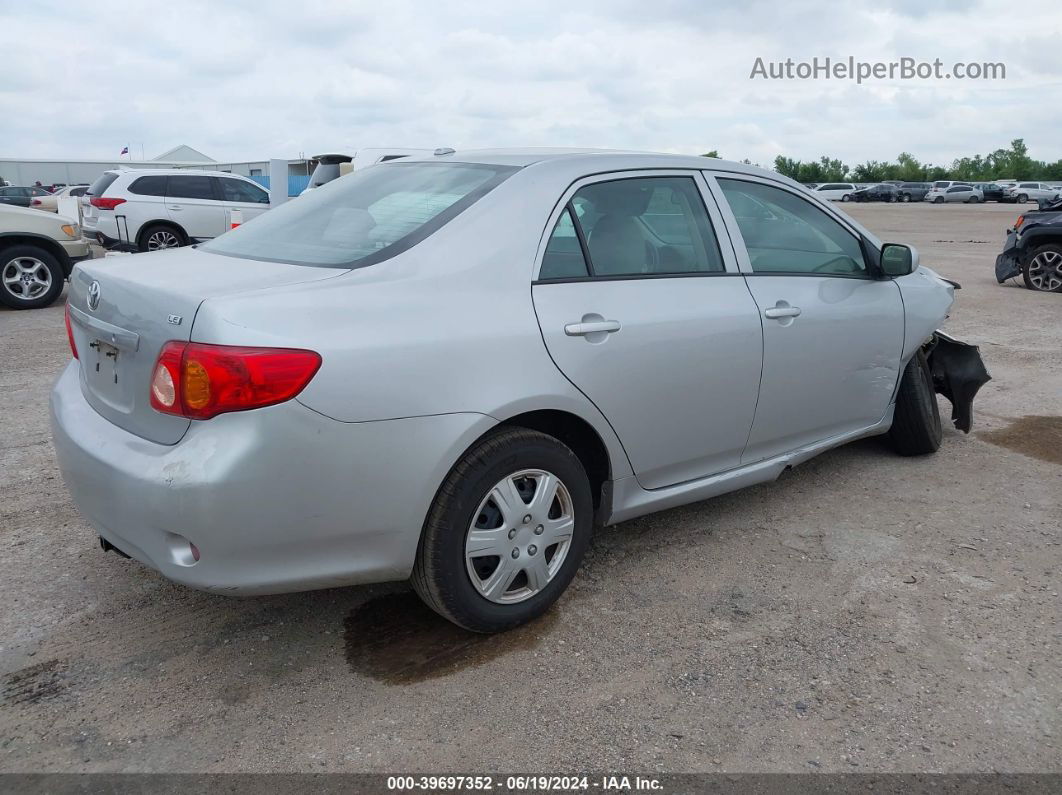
(94, 296)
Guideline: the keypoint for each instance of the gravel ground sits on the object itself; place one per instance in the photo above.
(865, 613)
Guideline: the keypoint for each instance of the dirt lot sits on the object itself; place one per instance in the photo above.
(866, 613)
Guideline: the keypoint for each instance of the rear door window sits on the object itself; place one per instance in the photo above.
(646, 226)
(563, 258)
(190, 187)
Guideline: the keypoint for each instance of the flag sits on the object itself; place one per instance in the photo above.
(125, 151)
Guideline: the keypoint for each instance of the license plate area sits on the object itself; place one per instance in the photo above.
(104, 373)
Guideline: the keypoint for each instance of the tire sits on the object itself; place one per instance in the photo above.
(916, 428)
(1022, 198)
(904, 197)
(1043, 271)
(846, 198)
(30, 277)
(456, 583)
(938, 200)
(158, 237)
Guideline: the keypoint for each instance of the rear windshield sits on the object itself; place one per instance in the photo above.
(363, 218)
(102, 183)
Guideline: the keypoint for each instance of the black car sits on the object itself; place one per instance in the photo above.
(877, 193)
(1034, 250)
(913, 191)
(991, 191)
(20, 197)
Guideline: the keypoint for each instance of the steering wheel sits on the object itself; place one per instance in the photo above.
(831, 265)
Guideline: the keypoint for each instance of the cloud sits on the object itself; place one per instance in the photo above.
(250, 80)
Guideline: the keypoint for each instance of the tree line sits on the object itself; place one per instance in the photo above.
(1012, 163)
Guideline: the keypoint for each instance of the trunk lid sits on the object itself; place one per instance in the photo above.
(123, 309)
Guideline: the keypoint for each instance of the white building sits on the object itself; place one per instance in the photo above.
(24, 171)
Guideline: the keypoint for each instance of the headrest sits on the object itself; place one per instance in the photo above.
(626, 197)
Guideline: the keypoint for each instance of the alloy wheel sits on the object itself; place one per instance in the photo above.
(162, 238)
(519, 536)
(26, 278)
(1045, 271)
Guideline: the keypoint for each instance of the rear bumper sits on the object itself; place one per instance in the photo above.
(278, 499)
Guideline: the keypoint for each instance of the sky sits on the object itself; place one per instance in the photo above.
(254, 79)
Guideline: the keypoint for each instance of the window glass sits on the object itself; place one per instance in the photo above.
(190, 187)
(563, 258)
(236, 190)
(39, 192)
(366, 217)
(102, 183)
(1028, 184)
(78, 191)
(653, 225)
(149, 186)
(786, 234)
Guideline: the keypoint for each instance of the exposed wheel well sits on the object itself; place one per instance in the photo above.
(579, 435)
(45, 243)
(149, 224)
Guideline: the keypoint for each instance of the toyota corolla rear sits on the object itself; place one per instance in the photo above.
(177, 424)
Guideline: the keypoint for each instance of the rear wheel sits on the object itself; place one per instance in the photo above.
(846, 198)
(1044, 271)
(160, 236)
(916, 426)
(30, 277)
(1022, 198)
(938, 200)
(905, 197)
(506, 533)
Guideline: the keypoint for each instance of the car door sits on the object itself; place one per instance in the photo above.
(241, 195)
(192, 200)
(832, 332)
(646, 313)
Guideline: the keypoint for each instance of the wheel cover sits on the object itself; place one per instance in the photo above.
(162, 238)
(1045, 271)
(26, 278)
(519, 536)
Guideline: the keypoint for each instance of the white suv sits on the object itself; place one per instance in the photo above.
(835, 191)
(164, 208)
(1024, 191)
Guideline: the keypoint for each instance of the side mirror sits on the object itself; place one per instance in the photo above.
(898, 259)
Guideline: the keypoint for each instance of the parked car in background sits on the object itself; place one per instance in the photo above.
(956, 193)
(329, 167)
(51, 201)
(912, 191)
(460, 333)
(1023, 192)
(883, 192)
(1033, 248)
(990, 191)
(37, 252)
(21, 196)
(836, 191)
(154, 209)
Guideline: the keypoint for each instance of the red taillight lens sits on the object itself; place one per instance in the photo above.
(35, 203)
(70, 332)
(201, 381)
(105, 204)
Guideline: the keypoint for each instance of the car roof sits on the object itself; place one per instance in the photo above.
(190, 172)
(593, 161)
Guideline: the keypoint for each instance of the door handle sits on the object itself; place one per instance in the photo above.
(174, 207)
(593, 327)
(781, 311)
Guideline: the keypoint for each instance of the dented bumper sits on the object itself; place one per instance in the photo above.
(958, 373)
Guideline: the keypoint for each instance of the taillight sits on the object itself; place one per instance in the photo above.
(105, 204)
(70, 333)
(200, 381)
(35, 203)
(1020, 221)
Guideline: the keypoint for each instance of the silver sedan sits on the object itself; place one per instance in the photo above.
(451, 368)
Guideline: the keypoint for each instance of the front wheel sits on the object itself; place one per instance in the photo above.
(30, 277)
(846, 198)
(905, 197)
(1022, 198)
(1044, 271)
(916, 426)
(938, 200)
(506, 533)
